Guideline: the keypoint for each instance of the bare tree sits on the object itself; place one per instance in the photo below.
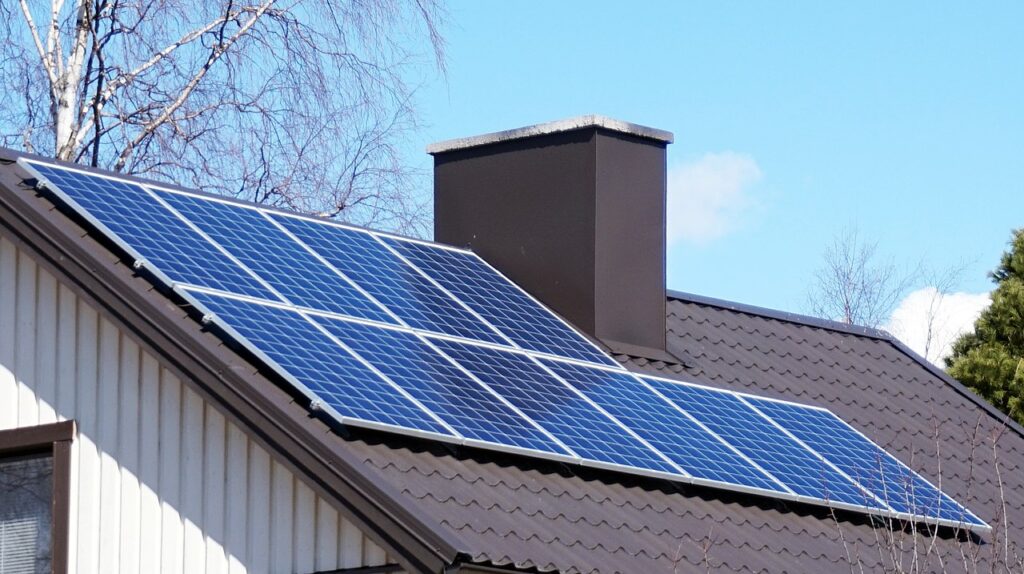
(938, 336)
(854, 286)
(299, 103)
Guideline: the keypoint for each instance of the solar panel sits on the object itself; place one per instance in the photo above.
(500, 301)
(378, 330)
(878, 471)
(401, 288)
(441, 386)
(147, 229)
(569, 417)
(692, 447)
(726, 415)
(318, 364)
(276, 258)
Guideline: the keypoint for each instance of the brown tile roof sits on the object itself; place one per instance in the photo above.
(510, 512)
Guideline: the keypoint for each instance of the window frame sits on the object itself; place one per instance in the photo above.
(54, 438)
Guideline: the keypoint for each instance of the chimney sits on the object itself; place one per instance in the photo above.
(574, 212)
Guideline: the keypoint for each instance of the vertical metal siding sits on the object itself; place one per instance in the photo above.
(161, 481)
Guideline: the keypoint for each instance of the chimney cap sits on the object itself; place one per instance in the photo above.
(566, 125)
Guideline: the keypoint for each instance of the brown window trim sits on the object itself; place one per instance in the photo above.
(56, 438)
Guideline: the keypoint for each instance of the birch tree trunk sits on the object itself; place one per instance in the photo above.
(301, 104)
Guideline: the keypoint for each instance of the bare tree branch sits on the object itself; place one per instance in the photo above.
(44, 54)
(853, 286)
(299, 104)
(218, 50)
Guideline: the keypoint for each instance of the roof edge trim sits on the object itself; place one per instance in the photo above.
(959, 387)
(782, 315)
(878, 334)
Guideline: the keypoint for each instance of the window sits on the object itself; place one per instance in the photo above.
(26, 491)
(34, 490)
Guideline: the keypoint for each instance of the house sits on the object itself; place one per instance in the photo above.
(144, 441)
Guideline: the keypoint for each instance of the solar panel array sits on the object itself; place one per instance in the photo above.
(406, 336)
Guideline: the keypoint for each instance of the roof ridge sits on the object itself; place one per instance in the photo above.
(780, 315)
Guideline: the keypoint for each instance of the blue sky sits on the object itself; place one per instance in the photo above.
(792, 121)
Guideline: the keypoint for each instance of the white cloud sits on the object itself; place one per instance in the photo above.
(707, 198)
(951, 315)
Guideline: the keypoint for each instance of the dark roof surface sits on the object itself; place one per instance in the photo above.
(506, 511)
(508, 514)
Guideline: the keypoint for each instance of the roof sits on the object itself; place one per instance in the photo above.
(552, 521)
(435, 506)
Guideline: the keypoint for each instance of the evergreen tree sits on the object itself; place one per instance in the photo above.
(991, 359)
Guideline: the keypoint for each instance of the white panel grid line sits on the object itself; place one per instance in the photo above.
(609, 416)
(441, 288)
(151, 189)
(215, 244)
(386, 378)
(269, 303)
(742, 396)
(431, 334)
(731, 392)
(573, 458)
(78, 169)
(333, 269)
(183, 289)
(820, 457)
(376, 233)
(455, 438)
(249, 205)
(500, 397)
(138, 260)
(548, 310)
(213, 318)
(721, 440)
(884, 510)
(892, 458)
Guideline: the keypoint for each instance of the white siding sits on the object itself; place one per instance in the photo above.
(161, 481)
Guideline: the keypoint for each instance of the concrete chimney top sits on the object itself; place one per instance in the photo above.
(558, 126)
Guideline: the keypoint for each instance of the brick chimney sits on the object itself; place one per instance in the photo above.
(574, 212)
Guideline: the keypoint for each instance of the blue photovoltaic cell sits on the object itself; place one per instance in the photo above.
(154, 232)
(546, 400)
(890, 480)
(390, 280)
(441, 386)
(750, 433)
(275, 257)
(496, 299)
(326, 369)
(682, 440)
